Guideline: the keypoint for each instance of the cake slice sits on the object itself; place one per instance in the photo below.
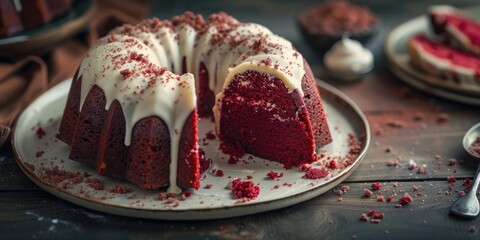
(455, 29)
(442, 61)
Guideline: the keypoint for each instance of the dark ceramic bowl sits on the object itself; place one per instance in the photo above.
(322, 42)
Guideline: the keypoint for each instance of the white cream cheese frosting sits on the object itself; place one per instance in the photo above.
(348, 56)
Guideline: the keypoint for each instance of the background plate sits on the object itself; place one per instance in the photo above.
(38, 155)
(396, 46)
(40, 40)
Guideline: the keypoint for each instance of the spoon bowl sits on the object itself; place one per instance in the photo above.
(468, 205)
(470, 137)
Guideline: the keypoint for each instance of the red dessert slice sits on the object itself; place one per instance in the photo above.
(455, 28)
(443, 61)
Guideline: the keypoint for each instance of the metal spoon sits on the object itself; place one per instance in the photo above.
(468, 205)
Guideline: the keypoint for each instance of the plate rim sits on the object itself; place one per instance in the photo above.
(195, 214)
(445, 91)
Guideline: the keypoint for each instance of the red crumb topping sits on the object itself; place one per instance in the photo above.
(249, 177)
(245, 189)
(379, 215)
(40, 133)
(380, 198)
(39, 154)
(451, 179)
(376, 186)
(273, 175)
(121, 189)
(461, 193)
(218, 172)
(367, 193)
(389, 198)
(405, 200)
(315, 173)
(126, 73)
(208, 186)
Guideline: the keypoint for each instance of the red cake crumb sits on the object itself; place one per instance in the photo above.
(208, 186)
(364, 217)
(94, 183)
(379, 215)
(304, 167)
(249, 177)
(416, 188)
(218, 172)
(452, 162)
(388, 149)
(273, 175)
(287, 184)
(395, 184)
(406, 199)
(422, 170)
(451, 179)
(245, 189)
(40, 133)
(39, 154)
(210, 135)
(332, 164)
(461, 193)
(120, 189)
(475, 147)
(393, 163)
(375, 221)
(56, 176)
(345, 188)
(315, 173)
(276, 186)
(390, 198)
(371, 213)
(380, 198)
(376, 186)
(367, 193)
(442, 118)
(233, 160)
(235, 150)
(467, 183)
(204, 162)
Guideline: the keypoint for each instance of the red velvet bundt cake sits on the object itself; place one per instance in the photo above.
(132, 117)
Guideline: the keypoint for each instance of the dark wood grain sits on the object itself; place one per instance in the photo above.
(36, 213)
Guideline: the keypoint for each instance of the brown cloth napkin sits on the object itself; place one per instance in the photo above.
(22, 81)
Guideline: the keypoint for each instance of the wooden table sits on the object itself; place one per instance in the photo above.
(28, 212)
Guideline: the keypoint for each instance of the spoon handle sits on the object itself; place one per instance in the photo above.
(476, 181)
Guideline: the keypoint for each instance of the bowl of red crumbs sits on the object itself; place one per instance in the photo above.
(324, 24)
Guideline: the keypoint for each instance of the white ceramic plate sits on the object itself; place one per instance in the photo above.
(35, 155)
(396, 46)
